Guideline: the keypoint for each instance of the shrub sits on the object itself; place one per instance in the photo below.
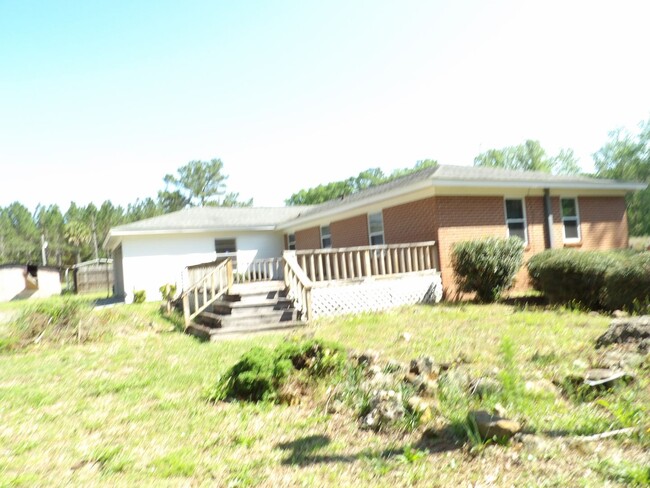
(627, 285)
(487, 266)
(260, 373)
(572, 276)
(139, 296)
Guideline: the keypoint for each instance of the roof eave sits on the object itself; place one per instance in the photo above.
(347, 206)
(586, 185)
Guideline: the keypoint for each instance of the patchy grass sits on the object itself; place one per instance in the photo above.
(132, 408)
(640, 243)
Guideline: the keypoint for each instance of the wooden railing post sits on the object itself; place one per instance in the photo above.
(229, 274)
(186, 309)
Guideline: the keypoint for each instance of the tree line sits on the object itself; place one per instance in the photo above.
(78, 233)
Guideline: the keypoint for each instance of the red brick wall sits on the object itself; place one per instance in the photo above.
(350, 232)
(410, 222)
(308, 238)
(603, 222)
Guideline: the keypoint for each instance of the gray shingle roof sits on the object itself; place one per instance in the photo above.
(252, 218)
(214, 218)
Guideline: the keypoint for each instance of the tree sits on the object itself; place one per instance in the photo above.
(626, 156)
(529, 156)
(79, 235)
(339, 189)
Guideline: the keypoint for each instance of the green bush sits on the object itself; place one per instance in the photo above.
(627, 285)
(487, 266)
(572, 276)
(139, 296)
(260, 373)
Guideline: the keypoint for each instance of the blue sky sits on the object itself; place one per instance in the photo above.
(99, 100)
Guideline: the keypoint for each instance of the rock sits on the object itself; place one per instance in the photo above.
(422, 406)
(335, 406)
(540, 387)
(394, 367)
(627, 330)
(490, 426)
(424, 365)
(457, 378)
(377, 379)
(619, 314)
(386, 407)
(405, 336)
(368, 357)
(485, 386)
(619, 359)
(603, 376)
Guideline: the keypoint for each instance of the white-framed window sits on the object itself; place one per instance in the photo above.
(376, 228)
(291, 242)
(325, 237)
(516, 218)
(226, 248)
(570, 219)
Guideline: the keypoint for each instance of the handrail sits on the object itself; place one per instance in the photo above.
(267, 269)
(298, 284)
(347, 263)
(210, 287)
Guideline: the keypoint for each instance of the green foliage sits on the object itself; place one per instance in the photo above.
(593, 279)
(487, 266)
(365, 179)
(168, 291)
(529, 156)
(627, 284)
(139, 296)
(260, 373)
(198, 183)
(626, 156)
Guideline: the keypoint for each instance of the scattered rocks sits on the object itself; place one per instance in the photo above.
(422, 383)
(456, 379)
(621, 359)
(424, 365)
(491, 426)
(386, 407)
(628, 330)
(619, 314)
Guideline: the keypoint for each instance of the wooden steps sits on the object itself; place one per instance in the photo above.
(248, 309)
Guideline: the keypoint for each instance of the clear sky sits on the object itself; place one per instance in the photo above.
(100, 99)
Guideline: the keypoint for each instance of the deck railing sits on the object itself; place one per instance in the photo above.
(261, 270)
(365, 261)
(207, 283)
(298, 285)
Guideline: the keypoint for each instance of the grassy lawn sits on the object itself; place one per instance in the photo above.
(640, 243)
(130, 408)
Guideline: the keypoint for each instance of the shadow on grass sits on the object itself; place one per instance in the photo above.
(303, 451)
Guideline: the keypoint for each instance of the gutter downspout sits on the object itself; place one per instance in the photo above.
(548, 220)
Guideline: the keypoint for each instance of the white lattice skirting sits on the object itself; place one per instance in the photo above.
(376, 294)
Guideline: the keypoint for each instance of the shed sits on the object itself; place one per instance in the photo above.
(19, 282)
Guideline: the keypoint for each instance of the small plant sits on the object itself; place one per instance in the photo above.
(260, 373)
(488, 266)
(139, 296)
(168, 292)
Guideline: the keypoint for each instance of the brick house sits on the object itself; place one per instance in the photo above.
(445, 204)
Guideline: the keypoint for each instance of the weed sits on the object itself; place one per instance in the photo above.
(174, 464)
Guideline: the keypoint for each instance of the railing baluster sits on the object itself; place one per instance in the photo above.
(320, 267)
(312, 268)
(375, 263)
(382, 262)
(335, 257)
(328, 265)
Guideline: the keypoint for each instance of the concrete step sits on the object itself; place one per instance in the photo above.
(209, 334)
(215, 321)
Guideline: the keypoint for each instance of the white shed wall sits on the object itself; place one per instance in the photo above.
(12, 284)
(148, 262)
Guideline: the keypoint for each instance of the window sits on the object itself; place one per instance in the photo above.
(516, 218)
(225, 246)
(376, 229)
(570, 219)
(325, 237)
(291, 242)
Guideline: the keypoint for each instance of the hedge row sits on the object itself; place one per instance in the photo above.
(594, 279)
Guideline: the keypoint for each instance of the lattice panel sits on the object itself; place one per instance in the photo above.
(375, 295)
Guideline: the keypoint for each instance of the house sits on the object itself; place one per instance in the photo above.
(435, 207)
(19, 282)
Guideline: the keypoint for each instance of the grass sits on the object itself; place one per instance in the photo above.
(640, 242)
(131, 408)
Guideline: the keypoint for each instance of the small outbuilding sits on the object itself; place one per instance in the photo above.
(19, 282)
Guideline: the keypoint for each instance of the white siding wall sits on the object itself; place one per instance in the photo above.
(148, 262)
(12, 283)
